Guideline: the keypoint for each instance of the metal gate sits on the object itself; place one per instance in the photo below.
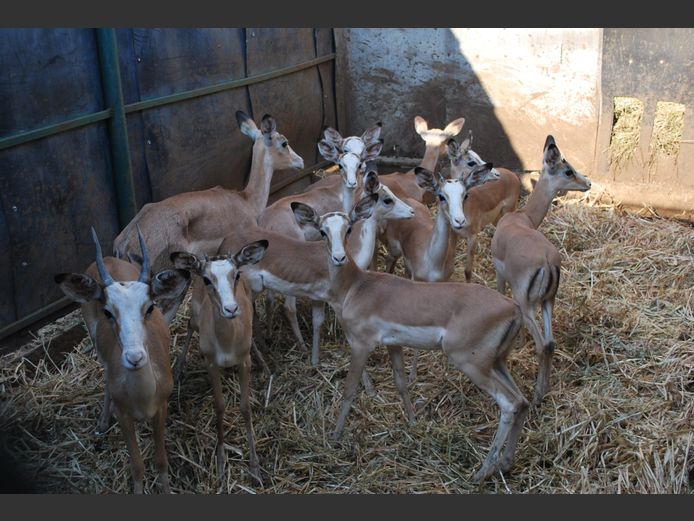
(96, 123)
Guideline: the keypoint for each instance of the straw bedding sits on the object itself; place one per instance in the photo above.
(619, 417)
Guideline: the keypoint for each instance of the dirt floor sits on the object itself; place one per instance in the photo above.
(619, 417)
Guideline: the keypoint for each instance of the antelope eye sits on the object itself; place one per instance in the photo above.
(569, 173)
(322, 233)
(149, 310)
(108, 313)
(238, 274)
(388, 200)
(349, 230)
(206, 281)
(441, 198)
(466, 196)
(284, 144)
(471, 163)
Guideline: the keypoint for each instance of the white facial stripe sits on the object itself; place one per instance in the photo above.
(335, 227)
(222, 273)
(354, 145)
(350, 164)
(128, 301)
(474, 157)
(454, 192)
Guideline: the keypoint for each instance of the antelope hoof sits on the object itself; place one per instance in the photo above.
(255, 473)
(163, 480)
(506, 465)
(138, 487)
(482, 474)
(220, 460)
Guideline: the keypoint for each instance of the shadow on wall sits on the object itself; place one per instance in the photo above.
(396, 74)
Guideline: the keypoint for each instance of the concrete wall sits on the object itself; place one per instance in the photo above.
(513, 86)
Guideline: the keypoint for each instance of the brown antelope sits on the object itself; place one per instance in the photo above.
(403, 184)
(298, 268)
(222, 314)
(199, 221)
(473, 325)
(278, 216)
(132, 343)
(486, 203)
(531, 264)
(429, 247)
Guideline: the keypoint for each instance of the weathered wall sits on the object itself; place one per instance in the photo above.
(513, 86)
(650, 65)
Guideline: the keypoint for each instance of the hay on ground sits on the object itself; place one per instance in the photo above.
(619, 417)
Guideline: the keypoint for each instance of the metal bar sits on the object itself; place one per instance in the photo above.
(49, 130)
(226, 85)
(34, 317)
(118, 129)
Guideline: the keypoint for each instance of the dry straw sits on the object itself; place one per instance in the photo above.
(619, 417)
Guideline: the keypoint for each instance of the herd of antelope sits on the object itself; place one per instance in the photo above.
(320, 245)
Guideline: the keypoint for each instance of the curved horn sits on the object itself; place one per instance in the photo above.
(144, 270)
(105, 277)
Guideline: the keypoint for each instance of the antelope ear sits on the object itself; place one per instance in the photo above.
(134, 258)
(420, 124)
(426, 180)
(267, 127)
(364, 208)
(170, 284)
(372, 134)
(454, 127)
(328, 150)
(247, 125)
(305, 215)
(480, 174)
(333, 137)
(467, 142)
(371, 182)
(251, 253)
(551, 153)
(372, 151)
(78, 287)
(453, 149)
(183, 260)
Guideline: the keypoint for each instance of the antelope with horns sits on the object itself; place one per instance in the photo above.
(473, 325)
(222, 314)
(485, 204)
(132, 343)
(198, 221)
(531, 264)
(278, 216)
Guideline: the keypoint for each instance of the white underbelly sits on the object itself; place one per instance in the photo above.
(421, 337)
(311, 290)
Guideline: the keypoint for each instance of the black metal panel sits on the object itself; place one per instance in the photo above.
(52, 191)
(194, 144)
(325, 44)
(294, 100)
(7, 308)
(48, 75)
(131, 94)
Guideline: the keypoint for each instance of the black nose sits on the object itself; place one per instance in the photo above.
(231, 310)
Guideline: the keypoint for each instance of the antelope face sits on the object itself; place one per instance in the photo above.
(353, 159)
(388, 205)
(463, 158)
(221, 273)
(280, 153)
(435, 137)
(559, 171)
(334, 228)
(452, 193)
(128, 305)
